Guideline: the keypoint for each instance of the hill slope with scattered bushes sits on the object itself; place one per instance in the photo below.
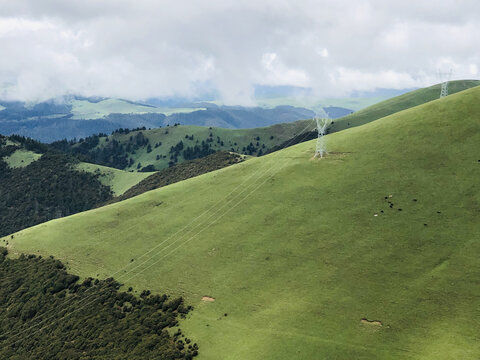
(368, 253)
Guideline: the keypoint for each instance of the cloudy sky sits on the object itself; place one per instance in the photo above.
(152, 48)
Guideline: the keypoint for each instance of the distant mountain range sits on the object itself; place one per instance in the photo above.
(77, 117)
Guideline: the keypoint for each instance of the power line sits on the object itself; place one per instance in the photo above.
(151, 257)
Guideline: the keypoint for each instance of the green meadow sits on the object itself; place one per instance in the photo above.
(21, 158)
(118, 180)
(368, 253)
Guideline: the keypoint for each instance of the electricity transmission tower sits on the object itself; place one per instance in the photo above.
(323, 121)
(444, 78)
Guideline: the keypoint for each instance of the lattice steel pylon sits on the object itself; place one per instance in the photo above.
(444, 78)
(323, 121)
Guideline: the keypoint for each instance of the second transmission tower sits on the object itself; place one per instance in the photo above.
(444, 78)
(323, 121)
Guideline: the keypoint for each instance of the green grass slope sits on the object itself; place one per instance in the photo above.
(118, 180)
(21, 158)
(399, 103)
(292, 252)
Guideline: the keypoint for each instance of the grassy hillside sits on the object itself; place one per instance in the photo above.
(369, 253)
(119, 181)
(399, 103)
(21, 158)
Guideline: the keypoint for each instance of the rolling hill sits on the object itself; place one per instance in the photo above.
(399, 103)
(118, 181)
(376, 111)
(37, 184)
(369, 253)
(155, 149)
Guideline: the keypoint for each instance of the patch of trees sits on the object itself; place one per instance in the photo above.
(112, 153)
(127, 131)
(198, 151)
(250, 149)
(87, 320)
(177, 148)
(46, 189)
(29, 144)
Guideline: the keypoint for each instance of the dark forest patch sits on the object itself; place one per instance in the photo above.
(46, 313)
(182, 172)
(46, 189)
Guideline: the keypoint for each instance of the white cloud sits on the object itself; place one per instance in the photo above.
(473, 69)
(141, 48)
(360, 80)
(13, 26)
(276, 73)
(323, 52)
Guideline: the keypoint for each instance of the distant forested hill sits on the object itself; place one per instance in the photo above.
(149, 150)
(34, 191)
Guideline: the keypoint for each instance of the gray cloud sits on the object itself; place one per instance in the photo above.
(138, 49)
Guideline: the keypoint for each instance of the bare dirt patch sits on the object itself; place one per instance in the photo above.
(208, 299)
(375, 323)
(333, 155)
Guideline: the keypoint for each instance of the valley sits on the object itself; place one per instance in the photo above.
(298, 253)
